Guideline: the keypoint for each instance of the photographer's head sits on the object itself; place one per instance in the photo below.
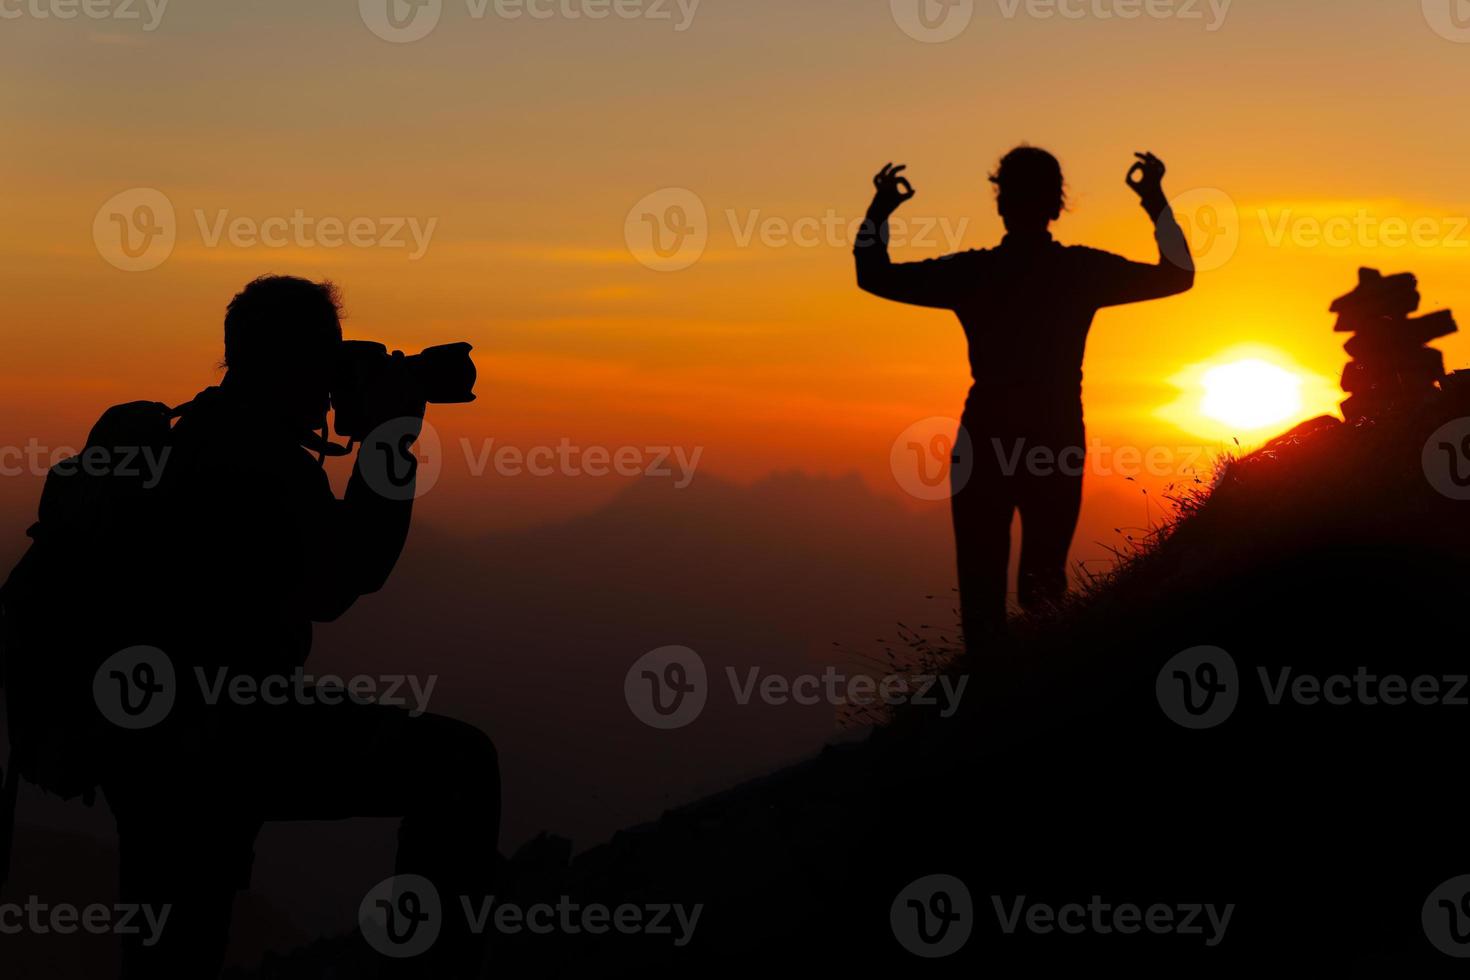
(1029, 191)
(281, 340)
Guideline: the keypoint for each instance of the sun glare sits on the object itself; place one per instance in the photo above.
(1251, 394)
(1248, 394)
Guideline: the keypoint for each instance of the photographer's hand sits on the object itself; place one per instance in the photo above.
(390, 396)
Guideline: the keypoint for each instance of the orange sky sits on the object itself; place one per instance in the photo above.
(527, 142)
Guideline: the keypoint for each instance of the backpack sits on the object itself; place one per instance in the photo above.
(84, 589)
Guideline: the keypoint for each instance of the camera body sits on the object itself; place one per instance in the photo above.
(365, 372)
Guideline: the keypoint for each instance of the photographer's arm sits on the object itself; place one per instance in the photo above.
(365, 531)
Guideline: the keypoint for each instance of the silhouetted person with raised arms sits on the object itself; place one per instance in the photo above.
(252, 547)
(1026, 307)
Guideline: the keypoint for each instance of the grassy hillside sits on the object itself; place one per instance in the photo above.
(1062, 777)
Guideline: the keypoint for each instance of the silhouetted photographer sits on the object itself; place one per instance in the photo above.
(184, 611)
(1026, 307)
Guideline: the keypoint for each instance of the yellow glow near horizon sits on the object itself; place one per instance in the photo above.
(1251, 394)
(1248, 394)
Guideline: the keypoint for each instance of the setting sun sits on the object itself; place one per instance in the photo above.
(1247, 394)
(1251, 394)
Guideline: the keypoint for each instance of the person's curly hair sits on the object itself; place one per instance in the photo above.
(1032, 178)
(275, 315)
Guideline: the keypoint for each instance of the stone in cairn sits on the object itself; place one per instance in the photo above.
(1391, 365)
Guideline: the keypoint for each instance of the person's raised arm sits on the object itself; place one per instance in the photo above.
(1131, 282)
(928, 283)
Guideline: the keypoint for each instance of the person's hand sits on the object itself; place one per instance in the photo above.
(1146, 178)
(390, 393)
(892, 190)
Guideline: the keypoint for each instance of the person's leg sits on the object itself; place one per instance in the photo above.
(981, 508)
(182, 857)
(1050, 504)
(189, 811)
(440, 775)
